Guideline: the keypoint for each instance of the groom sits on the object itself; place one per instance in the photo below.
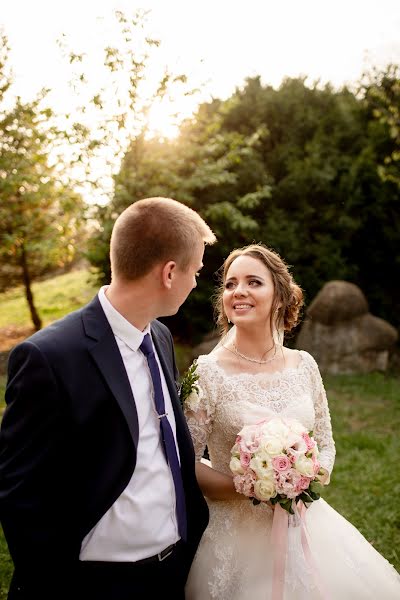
(98, 495)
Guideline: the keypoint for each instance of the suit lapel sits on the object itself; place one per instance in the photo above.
(106, 354)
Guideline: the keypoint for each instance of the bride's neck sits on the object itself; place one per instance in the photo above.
(253, 342)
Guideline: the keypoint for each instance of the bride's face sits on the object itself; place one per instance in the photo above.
(249, 292)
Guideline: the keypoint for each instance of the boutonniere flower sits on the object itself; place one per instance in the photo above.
(189, 392)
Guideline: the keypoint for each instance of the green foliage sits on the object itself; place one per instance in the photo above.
(295, 168)
(39, 210)
(38, 214)
(381, 90)
(188, 383)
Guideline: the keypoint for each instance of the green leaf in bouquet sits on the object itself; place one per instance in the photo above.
(314, 495)
(316, 486)
(305, 497)
(256, 501)
(188, 384)
(287, 505)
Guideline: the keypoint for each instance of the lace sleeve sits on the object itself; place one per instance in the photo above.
(199, 414)
(322, 426)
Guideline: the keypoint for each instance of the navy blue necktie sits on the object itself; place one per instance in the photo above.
(167, 435)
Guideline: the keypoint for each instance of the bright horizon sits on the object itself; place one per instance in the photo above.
(219, 43)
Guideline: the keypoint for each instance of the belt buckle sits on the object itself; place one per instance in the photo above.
(168, 551)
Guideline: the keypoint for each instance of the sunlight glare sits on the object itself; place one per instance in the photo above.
(165, 116)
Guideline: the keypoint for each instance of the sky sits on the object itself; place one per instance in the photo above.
(215, 42)
(330, 40)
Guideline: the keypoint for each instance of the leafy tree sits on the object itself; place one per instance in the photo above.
(381, 92)
(39, 212)
(330, 214)
(217, 174)
(294, 167)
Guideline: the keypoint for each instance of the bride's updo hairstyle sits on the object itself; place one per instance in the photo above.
(288, 296)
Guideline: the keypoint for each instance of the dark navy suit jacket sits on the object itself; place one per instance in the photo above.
(68, 446)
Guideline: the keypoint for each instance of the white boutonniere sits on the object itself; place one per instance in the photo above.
(189, 392)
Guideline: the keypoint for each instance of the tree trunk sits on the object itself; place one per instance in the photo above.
(36, 320)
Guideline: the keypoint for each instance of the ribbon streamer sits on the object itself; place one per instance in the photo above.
(279, 543)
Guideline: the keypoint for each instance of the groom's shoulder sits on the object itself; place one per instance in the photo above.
(62, 330)
(161, 329)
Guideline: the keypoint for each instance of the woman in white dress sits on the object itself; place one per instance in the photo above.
(251, 372)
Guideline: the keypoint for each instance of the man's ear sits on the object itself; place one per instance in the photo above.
(168, 273)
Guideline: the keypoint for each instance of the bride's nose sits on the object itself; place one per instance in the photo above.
(240, 289)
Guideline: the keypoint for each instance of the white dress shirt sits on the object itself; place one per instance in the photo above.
(142, 521)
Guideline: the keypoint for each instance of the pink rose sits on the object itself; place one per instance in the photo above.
(302, 484)
(281, 463)
(244, 484)
(286, 483)
(249, 444)
(317, 465)
(245, 458)
(309, 442)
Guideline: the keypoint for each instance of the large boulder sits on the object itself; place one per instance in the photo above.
(338, 301)
(342, 335)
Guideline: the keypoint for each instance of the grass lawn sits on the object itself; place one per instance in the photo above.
(53, 298)
(365, 484)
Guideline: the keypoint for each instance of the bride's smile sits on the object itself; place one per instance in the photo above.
(249, 291)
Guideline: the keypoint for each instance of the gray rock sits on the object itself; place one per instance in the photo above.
(348, 339)
(337, 301)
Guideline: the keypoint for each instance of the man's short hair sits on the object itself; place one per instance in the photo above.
(155, 230)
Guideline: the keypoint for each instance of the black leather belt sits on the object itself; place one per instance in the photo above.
(157, 557)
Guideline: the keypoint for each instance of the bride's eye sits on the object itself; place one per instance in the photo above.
(229, 285)
(255, 282)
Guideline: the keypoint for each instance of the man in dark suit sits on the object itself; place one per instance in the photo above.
(90, 500)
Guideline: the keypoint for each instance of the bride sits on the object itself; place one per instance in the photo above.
(251, 372)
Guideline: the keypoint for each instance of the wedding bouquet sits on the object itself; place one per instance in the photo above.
(276, 460)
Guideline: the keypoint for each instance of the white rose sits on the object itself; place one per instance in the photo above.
(297, 427)
(235, 466)
(264, 489)
(192, 401)
(273, 446)
(304, 466)
(277, 428)
(261, 464)
(235, 450)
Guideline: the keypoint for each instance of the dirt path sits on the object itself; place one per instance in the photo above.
(9, 337)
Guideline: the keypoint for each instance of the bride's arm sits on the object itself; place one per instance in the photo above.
(199, 412)
(215, 485)
(322, 427)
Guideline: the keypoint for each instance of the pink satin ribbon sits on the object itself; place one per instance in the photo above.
(279, 535)
(279, 543)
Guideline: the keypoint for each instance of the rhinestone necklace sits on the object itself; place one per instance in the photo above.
(234, 350)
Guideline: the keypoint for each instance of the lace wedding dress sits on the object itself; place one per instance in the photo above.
(235, 556)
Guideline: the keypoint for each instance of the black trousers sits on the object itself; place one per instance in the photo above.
(131, 581)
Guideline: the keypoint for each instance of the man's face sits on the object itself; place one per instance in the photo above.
(184, 281)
